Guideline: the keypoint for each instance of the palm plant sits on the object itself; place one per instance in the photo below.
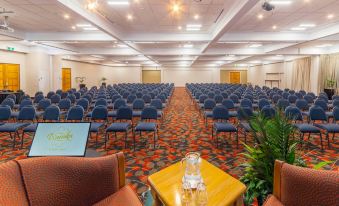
(275, 140)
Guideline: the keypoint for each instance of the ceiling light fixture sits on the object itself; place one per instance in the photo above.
(188, 46)
(129, 17)
(280, 2)
(196, 17)
(324, 45)
(92, 5)
(118, 2)
(175, 8)
(330, 16)
(74, 27)
(66, 16)
(122, 45)
(179, 27)
(193, 27)
(83, 25)
(260, 16)
(307, 25)
(298, 28)
(255, 45)
(90, 29)
(274, 27)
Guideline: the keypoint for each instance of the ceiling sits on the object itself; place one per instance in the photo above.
(149, 33)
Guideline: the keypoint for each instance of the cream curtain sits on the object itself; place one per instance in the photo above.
(301, 74)
(329, 70)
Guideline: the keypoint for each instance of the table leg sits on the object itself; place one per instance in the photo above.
(156, 200)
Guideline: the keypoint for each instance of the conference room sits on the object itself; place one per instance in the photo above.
(169, 102)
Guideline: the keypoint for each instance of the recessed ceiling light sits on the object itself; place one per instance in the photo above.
(330, 16)
(298, 28)
(196, 17)
(255, 45)
(92, 5)
(279, 55)
(193, 27)
(129, 17)
(280, 2)
(122, 45)
(66, 16)
(118, 2)
(274, 27)
(179, 27)
(231, 55)
(260, 16)
(83, 25)
(307, 25)
(90, 29)
(74, 27)
(324, 45)
(188, 46)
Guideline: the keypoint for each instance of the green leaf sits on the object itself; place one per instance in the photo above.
(321, 165)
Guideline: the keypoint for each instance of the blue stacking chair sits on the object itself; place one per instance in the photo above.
(209, 104)
(84, 103)
(147, 98)
(321, 102)
(64, 105)
(42, 105)
(335, 103)
(292, 98)
(157, 103)
(125, 118)
(131, 98)
(50, 94)
(23, 103)
(8, 102)
(234, 98)
(52, 113)
(246, 103)
(137, 106)
(148, 115)
(75, 113)
(26, 113)
(294, 113)
(276, 98)
(244, 115)
(229, 104)
(72, 98)
(268, 111)
(116, 105)
(218, 99)
(77, 95)
(318, 114)
(55, 99)
(37, 98)
(262, 103)
(282, 104)
(99, 113)
(221, 125)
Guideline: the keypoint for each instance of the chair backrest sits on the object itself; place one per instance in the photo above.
(83, 102)
(119, 103)
(99, 113)
(228, 103)
(218, 98)
(52, 113)
(102, 102)
(124, 113)
(309, 98)
(209, 104)
(262, 103)
(335, 103)
(24, 103)
(293, 185)
(75, 113)
(50, 94)
(157, 103)
(302, 104)
(12, 96)
(317, 113)
(336, 113)
(138, 104)
(147, 98)
(293, 113)
(43, 104)
(72, 98)
(283, 103)
(276, 98)
(234, 98)
(268, 111)
(8, 102)
(246, 103)
(244, 113)
(5, 112)
(27, 113)
(55, 99)
(131, 98)
(220, 113)
(292, 98)
(149, 113)
(322, 103)
(65, 104)
(202, 98)
(38, 97)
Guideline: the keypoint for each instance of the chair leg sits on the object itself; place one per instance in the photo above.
(134, 141)
(245, 134)
(236, 136)
(106, 139)
(22, 139)
(321, 141)
(328, 140)
(154, 139)
(126, 139)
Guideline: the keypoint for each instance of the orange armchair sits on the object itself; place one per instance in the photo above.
(66, 181)
(303, 186)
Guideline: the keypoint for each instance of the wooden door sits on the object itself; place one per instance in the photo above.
(235, 77)
(151, 76)
(10, 77)
(66, 79)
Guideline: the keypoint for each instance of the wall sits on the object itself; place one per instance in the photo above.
(181, 76)
(225, 75)
(94, 73)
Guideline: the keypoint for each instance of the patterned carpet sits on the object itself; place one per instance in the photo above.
(182, 130)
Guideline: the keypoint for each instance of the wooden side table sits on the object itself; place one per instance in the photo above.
(222, 188)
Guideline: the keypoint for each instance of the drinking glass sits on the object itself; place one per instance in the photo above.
(201, 195)
(186, 193)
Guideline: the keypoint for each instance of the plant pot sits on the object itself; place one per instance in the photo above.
(260, 200)
(82, 86)
(103, 84)
(330, 93)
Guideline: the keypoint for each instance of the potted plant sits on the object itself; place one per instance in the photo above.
(275, 140)
(330, 87)
(81, 81)
(103, 81)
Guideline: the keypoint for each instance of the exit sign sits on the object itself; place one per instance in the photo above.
(10, 48)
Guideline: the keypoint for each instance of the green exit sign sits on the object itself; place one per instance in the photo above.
(10, 48)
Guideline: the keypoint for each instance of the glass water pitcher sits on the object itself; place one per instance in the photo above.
(192, 162)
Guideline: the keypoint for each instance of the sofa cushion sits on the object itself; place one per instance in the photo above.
(70, 181)
(12, 191)
(272, 201)
(125, 196)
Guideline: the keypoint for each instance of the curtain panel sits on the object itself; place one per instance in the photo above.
(329, 70)
(301, 74)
